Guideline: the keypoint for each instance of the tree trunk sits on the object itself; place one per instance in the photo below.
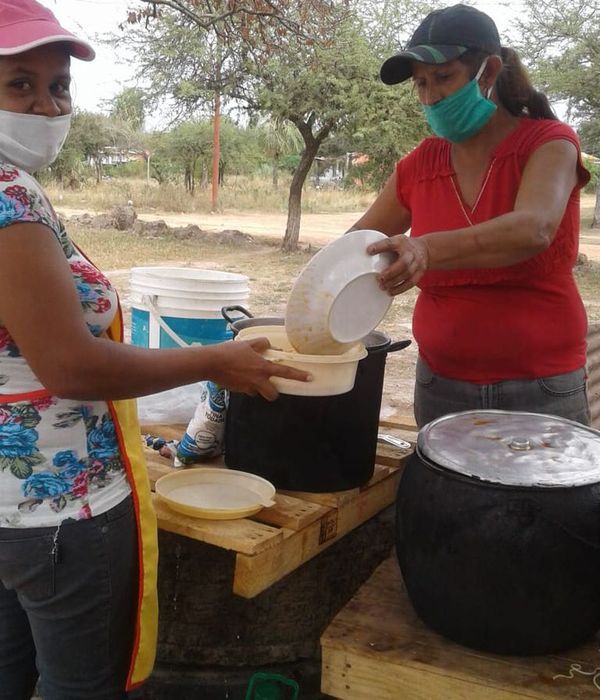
(596, 219)
(275, 170)
(204, 177)
(98, 168)
(292, 231)
(216, 154)
(193, 176)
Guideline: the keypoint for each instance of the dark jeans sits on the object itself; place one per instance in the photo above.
(68, 600)
(560, 395)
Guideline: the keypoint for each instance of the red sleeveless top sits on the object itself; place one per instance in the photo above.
(487, 325)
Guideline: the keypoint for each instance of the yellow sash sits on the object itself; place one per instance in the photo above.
(124, 414)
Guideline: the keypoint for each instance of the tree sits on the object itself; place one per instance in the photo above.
(278, 137)
(335, 88)
(563, 49)
(190, 143)
(88, 139)
(388, 125)
(321, 86)
(231, 30)
(252, 20)
(129, 106)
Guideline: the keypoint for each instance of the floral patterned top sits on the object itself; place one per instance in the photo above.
(59, 458)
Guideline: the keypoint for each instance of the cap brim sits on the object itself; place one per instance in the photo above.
(398, 68)
(24, 36)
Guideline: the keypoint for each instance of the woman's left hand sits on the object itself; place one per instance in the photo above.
(411, 263)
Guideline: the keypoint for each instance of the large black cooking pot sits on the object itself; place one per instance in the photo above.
(310, 443)
(498, 518)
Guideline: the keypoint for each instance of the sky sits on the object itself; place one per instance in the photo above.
(95, 83)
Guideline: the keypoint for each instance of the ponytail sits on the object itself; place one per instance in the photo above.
(515, 91)
(513, 87)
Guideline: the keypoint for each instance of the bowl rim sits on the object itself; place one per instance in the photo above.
(357, 352)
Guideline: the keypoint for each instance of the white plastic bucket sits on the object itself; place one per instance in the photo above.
(172, 306)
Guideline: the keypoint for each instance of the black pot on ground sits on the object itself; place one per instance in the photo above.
(310, 443)
(498, 531)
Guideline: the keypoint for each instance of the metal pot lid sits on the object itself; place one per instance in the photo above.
(514, 448)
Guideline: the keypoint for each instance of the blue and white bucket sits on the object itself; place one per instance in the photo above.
(179, 306)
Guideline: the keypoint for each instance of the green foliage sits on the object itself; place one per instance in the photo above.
(562, 46)
(594, 167)
(88, 138)
(134, 169)
(289, 163)
(388, 24)
(390, 124)
(129, 106)
(315, 65)
(589, 134)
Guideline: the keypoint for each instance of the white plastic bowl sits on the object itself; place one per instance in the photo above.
(332, 374)
(336, 299)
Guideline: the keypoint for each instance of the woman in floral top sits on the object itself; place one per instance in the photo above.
(77, 543)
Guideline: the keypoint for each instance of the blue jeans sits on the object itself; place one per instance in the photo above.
(560, 395)
(68, 599)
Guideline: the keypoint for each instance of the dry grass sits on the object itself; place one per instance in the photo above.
(239, 194)
(587, 212)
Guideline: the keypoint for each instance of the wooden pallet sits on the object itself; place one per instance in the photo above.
(376, 647)
(277, 540)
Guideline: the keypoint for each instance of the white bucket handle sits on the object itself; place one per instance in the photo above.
(149, 302)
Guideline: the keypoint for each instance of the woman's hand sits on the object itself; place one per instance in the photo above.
(411, 263)
(240, 366)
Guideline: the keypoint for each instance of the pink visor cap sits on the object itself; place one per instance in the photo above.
(25, 25)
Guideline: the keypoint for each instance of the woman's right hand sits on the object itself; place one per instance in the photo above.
(240, 366)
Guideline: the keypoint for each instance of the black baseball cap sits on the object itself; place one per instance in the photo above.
(441, 37)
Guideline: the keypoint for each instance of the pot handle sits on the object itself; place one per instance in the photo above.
(394, 347)
(225, 311)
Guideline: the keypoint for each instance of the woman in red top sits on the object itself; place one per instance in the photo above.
(492, 204)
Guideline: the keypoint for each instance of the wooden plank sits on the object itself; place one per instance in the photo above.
(329, 500)
(253, 574)
(240, 535)
(376, 647)
(380, 473)
(291, 512)
(391, 456)
(362, 677)
(399, 422)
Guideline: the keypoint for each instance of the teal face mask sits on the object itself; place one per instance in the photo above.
(462, 114)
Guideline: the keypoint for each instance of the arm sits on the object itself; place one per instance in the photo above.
(40, 308)
(505, 240)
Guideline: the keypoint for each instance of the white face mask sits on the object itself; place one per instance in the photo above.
(31, 142)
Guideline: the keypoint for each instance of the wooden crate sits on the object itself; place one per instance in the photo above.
(277, 540)
(376, 647)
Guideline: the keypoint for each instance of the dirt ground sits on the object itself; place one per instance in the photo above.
(316, 229)
(272, 274)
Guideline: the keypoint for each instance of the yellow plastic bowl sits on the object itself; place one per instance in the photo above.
(332, 374)
(215, 493)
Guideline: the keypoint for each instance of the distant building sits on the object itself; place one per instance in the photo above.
(113, 155)
(329, 171)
